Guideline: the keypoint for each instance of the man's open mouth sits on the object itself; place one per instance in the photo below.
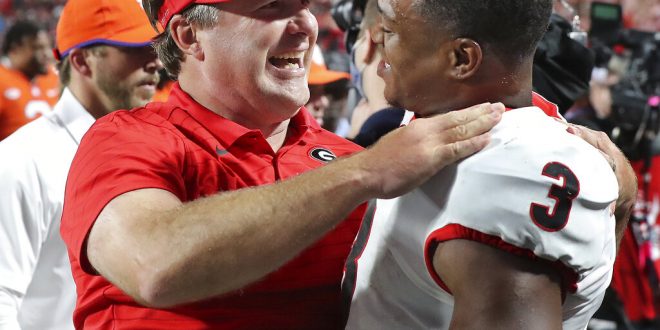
(291, 60)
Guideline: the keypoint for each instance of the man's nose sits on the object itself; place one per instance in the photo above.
(153, 65)
(303, 22)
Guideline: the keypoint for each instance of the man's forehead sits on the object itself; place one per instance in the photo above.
(264, 9)
(244, 4)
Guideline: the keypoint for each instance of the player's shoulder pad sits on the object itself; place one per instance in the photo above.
(536, 187)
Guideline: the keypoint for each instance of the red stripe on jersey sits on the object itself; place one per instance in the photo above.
(456, 231)
(549, 108)
(538, 101)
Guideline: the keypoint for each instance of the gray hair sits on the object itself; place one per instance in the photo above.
(203, 16)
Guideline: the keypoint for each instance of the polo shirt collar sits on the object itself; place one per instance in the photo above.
(228, 132)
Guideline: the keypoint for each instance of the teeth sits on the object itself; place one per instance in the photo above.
(387, 65)
(292, 66)
(290, 55)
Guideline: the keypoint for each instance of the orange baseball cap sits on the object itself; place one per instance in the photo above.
(173, 7)
(112, 22)
(319, 73)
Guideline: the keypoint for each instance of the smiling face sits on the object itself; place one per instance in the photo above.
(449, 54)
(257, 57)
(416, 59)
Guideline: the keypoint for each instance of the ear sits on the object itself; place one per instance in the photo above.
(372, 48)
(184, 35)
(466, 58)
(79, 60)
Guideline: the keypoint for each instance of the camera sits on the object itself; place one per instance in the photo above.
(635, 112)
(348, 16)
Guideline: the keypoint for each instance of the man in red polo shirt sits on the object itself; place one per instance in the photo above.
(195, 213)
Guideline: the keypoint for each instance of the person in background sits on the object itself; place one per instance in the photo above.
(28, 84)
(645, 15)
(329, 36)
(164, 87)
(322, 82)
(373, 116)
(106, 63)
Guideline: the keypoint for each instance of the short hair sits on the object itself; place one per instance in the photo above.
(18, 32)
(64, 66)
(64, 71)
(510, 28)
(168, 52)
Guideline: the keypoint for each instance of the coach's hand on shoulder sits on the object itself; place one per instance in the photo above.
(408, 156)
(625, 174)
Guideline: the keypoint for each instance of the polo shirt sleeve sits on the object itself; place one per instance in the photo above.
(119, 154)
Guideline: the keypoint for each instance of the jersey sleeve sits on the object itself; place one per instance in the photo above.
(548, 201)
(118, 154)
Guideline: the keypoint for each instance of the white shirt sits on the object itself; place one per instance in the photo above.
(36, 286)
(501, 196)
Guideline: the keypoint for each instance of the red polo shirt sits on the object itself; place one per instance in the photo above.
(192, 152)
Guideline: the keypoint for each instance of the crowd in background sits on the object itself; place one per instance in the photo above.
(638, 14)
(334, 110)
(45, 12)
(641, 14)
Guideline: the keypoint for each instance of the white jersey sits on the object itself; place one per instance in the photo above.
(36, 286)
(535, 190)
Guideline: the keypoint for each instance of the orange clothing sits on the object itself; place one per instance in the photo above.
(22, 100)
(162, 94)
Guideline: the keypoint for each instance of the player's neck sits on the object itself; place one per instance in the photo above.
(514, 91)
(521, 99)
(502, 83)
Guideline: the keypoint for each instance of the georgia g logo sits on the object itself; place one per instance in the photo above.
(321, 154)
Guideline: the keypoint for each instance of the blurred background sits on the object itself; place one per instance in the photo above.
(46, 12)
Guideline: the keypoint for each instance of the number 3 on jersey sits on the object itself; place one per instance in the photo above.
(556, 218)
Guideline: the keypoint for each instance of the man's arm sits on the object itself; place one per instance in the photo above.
(494, 289)
(625, 174)
(163, 252)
